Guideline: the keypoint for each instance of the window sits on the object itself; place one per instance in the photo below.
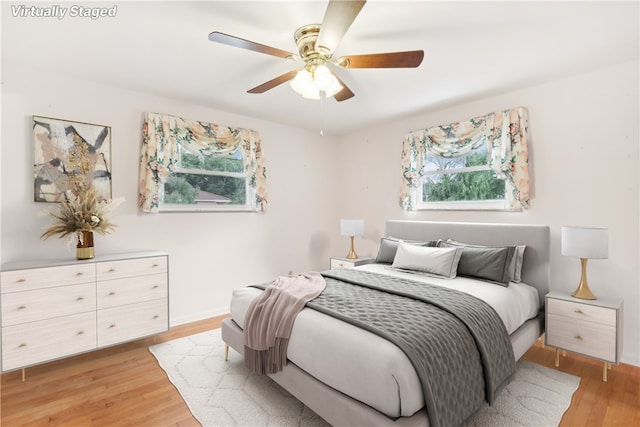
(460, 182)
(188, 165)
(480, 163)
(205, 181)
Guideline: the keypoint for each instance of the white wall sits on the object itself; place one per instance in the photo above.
(210, 253)
(584, 165)
(584, 161)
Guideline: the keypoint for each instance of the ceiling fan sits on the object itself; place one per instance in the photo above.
(316, 44)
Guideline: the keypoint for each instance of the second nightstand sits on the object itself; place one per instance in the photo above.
(589, 327)
(341, 262)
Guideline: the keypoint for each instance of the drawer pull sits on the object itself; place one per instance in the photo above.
(112, 326)
(80, 333)
(22, 307)
(80, 273)
(79, 298)
(578, 337)
(156, 316)
(111, 270)
(155, 265)
(22, 345)
(578, 311)
(21, 280)
(112, 293)
(155, 287)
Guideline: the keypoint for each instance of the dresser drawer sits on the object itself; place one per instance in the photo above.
(133, 321)
(131, 267)
(588, 338)
(40, 304)
(582, 312)
(47, 277)
(131, 290)
(35, 342)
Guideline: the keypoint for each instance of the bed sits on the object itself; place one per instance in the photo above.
(330, 362)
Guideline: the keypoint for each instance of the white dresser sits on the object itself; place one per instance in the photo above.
(54, 309)
(589, 327)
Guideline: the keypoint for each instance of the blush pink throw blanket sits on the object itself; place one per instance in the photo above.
(270, 318)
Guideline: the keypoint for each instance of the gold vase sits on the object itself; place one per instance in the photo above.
(84, 248)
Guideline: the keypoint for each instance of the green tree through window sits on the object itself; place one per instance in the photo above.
(207, 179)
(466, 178)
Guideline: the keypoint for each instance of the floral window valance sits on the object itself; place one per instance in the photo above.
(503, 132)
(161, 136)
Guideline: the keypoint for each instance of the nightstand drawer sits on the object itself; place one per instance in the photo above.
(588, 338)
(339, 262)
(582, 312)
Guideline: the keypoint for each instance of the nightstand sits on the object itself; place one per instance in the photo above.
(341, 262)
(589, 327)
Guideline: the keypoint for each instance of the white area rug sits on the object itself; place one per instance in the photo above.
(220, 393)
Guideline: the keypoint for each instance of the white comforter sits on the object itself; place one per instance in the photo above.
(369, 368)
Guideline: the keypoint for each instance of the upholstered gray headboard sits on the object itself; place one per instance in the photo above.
(536, 263)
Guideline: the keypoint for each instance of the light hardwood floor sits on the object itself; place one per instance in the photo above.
(124, 386)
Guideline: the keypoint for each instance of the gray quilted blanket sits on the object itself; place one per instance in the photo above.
(457, 343)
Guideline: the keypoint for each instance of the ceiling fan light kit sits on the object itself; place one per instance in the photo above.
(316, 44)
(313, 82)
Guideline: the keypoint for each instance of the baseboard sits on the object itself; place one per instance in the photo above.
(630, 358)
(194, 317)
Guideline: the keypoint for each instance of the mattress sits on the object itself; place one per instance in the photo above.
(344, 356)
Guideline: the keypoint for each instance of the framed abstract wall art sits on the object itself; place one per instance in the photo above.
(64, 149)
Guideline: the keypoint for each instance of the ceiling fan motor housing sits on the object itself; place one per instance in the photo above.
(305, 38)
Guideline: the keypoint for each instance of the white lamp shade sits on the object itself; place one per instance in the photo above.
(352, 227)
(585, 242)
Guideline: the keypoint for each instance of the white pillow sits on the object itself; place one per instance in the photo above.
(437, 261)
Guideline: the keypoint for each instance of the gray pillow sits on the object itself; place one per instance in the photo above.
(516, 265)
(484, 262)
(389, 246)
(441, 262)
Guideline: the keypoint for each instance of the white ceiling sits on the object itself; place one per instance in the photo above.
(472, 49)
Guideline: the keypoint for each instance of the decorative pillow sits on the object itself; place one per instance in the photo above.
(516, 265)
(515, 269)
(484, 262)
(389, 246)
(442, 262)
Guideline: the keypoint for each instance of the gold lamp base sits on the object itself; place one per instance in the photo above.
(352, 252)
(583, 291)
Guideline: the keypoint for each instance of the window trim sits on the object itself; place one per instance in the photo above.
(460, 205)
(248, 206)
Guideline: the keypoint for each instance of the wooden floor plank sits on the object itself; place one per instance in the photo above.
(124, 386)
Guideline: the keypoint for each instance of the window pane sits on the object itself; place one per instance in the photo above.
(190, 161)
(185, 188)
(477, 157)
(477, 185)
(232, 163)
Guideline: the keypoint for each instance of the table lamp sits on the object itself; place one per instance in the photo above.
(585, 243)
(352, 228)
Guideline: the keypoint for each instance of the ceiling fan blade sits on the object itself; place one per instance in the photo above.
(409, 59)
(274, 82)
(219, 37)
(345, 93)
(337, 19)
